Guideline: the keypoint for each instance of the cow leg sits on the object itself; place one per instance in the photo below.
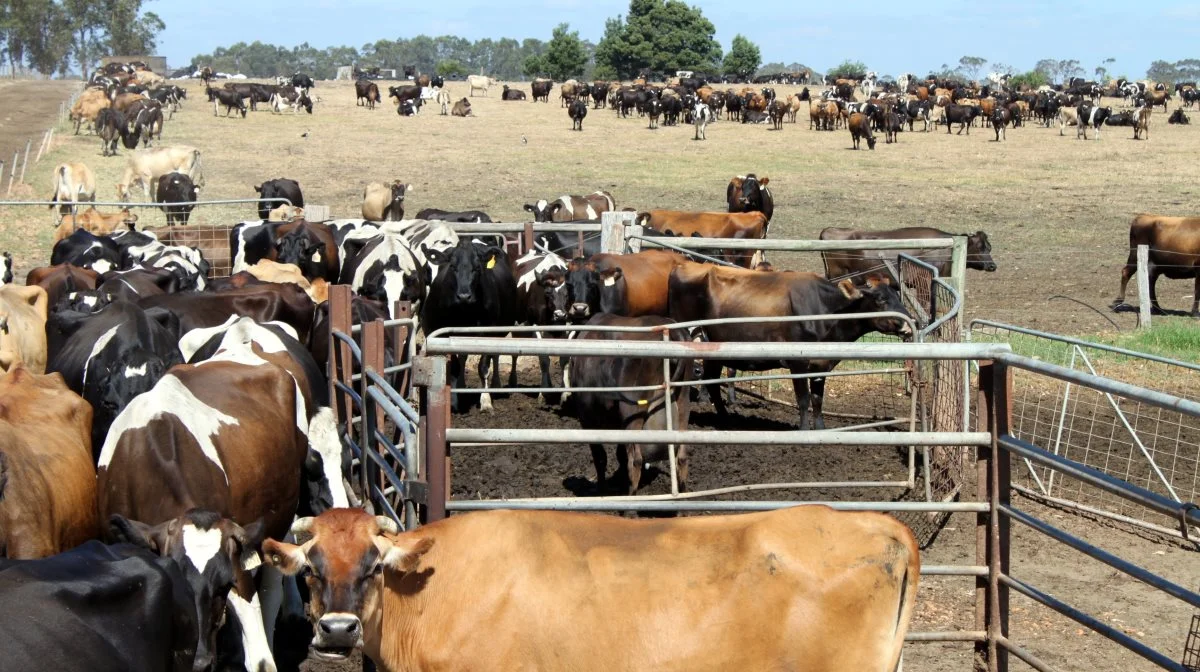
(270, 594)
(1154, 307)
(600, 460)
(1196, 297)
(458, 379)
(817, 387)
(800, 389)
(713, 370)
(1126, 274)
(485, 399)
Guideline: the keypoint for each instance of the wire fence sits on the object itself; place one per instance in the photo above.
(1148, 446)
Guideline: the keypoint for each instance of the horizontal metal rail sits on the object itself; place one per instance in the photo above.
(519, 227)
(1186, 513)
(1143, 575)
(1092, 623)
(947, 636)
(718, 437)
(785, 245)
(1161, 400)
(582, 504)
(1066, 503)
(667, 245)
(711, 492)
(148, 204)
(1087, 344)
(715, 351)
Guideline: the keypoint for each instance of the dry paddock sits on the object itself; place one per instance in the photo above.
(1057, 210)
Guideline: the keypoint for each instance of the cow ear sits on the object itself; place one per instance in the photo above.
(287, 558)
(529, 207)
(258, 189)
(402, 554)
(849, 290)
(762, 181)
(121, 529)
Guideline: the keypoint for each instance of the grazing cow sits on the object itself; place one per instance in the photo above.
(468, 216)
(1174, 252)
(47, 478)
(123, 101)
(474, 287)
(176, 188)
(111, 127)
(310, 246)
(855, 263)
(479, 83)
(366, 93)
(461, 109)
(860, 127)
(1090, 116)
(602, 570)
(1142, 123)
(302, 81)
(572, 208)
(706, 291)
(73, 183)
(88, 106)
(746, 225)
(542, 298)
(541, 89)
(61, 280)
(23, 313)
(112, 356)
(229, 99)
(383, 202)
(577, 111)
(145, 166)
(511, 94)
(701, 115)
(278, 188)
(123, 609)
(964, 115)
(631, 410)
(749, 193)
(1178, 117)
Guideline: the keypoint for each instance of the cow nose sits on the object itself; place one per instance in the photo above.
(464, 296)
(203, 662)
(905, 329)
(338, 630)
(560, 313)
(990, 267)
(579, 309)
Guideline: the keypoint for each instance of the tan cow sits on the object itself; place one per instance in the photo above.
(73, 183)
(1142, 123)
(1067, 116)
(567, 92)
(384, 202)
(480, 83)
(23, 313)
(748, 225)
(285, 213)
(124, 100)
(87, 106)
(94, 221)
(461, 109)
(805, 588)
(47, 479)
(148, 78)
(147, 165)
(1174, 244)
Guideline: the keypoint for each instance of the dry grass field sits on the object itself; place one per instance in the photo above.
(1057, 210)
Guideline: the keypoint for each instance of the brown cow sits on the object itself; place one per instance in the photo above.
(860, 127)
(87, 106)
(1142, 123)
(94, 221)
(849, 263)
(742, 225)
(47, 479)
(804, 588)
(23, 313)
(61, 280)
(1174, 252)
(461, 109)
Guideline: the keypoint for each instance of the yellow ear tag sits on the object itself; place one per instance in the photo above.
(491, 263)
(643, 402)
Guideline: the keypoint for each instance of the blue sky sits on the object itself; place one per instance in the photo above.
(889, 37)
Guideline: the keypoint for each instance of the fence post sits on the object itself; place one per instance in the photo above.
(958, 264)
(1143, 280)
(992, 529)
(429, 373)
(983, 457)
(372, 344)
(340, 365)
(612, 231)
(527, 237)
(12, 174)
(25, 163)
(400, 337)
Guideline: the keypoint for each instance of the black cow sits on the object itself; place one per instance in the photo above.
(145, 119)
(1178, 117)
(437, 82)
(366, 93)
(280, 187)
(111, 356)
(653, 109)
(111, 126)
(541, 89)
(961, 114)
(302, 81)
(176, 188)
(599, 94)
(116, 607)
(6, 264)
(230, 99)
(468, 216)
(891, 127)
(511, 94)
(754, 117)
(405, 92)
(999, 119)
(749, 193)
(672, 107)
(82, 248)
(733, 105)
(577, 111)
(628, 100)
(311, 247)
(474, 287)
(1125, 118)
(266, 302)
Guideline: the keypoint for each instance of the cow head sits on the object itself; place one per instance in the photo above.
(461, 269)
(979, 252)
(111, 385)
(396, 204)
(217, 557)
(554, 283)
(543, 211)
(343, 555)
(583, 291)
(6, 265)
(302, 249)
(877, 295)
(745, 193)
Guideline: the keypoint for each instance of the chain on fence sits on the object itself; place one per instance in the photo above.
(1150, 447)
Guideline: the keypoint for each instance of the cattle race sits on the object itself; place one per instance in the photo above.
(605, 366)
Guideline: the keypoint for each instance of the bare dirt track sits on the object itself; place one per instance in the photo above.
(30, 107)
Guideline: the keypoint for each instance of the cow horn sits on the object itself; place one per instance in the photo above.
(387, 525)
(302, 528)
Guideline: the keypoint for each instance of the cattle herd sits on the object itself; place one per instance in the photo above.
(168, 442)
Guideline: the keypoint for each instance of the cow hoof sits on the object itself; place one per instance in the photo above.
(485, 403)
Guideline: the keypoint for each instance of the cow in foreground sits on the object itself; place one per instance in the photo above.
(577, 111)
(805, 588)
(1174, 252)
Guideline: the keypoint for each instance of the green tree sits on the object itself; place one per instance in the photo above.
(970, 66)
(533, 66)
(849, 68)
(1069, 68)
(743, 58)
(1101, 70)
(663, 36)
(1033, 79)
(451, 67)
(565, 55)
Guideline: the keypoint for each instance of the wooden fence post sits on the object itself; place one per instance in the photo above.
(12, 175)
(1143, 280)
(958, 264)
(25, 163)
(612, 231)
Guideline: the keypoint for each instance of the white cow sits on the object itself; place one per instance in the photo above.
(480, 83)
(147, 165)
(73, 183)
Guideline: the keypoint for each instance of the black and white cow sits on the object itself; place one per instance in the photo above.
(390, 264)
(84, 249)
(542, 299)
(1093, 116)
(175, 187)
(465, 216)
(111, 356)
(749, 193)
(302, 82)
(571, 208)
(6, 265)
(278, 188)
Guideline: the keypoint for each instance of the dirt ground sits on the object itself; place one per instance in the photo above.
(1057, 211)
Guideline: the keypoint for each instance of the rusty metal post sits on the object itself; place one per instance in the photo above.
(372, 344)
(1000, 495)
(400, 337)
(983, 422)
(340, 365)
(527, 236)
(430, 376)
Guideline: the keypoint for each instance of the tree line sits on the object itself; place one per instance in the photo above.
(61, 36)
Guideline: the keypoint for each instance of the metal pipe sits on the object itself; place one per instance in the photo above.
(1092, 623)
(139, 204)
(718, 437)
(1185, 513)
(785, 245)
(519, 227)
(1143, 575)
(1025, 655)
(955, 308)
(954, 570)
(715, 351)
(573, 504)
(1058, 501)
(664, 244)
(712, 492)
(1161, 400)
(1075, 341)
(950, 636)
(787, 376)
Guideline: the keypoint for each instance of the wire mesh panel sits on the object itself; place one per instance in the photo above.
(1191, 650)
(1148, 446)
(212, 241)
(944, 402)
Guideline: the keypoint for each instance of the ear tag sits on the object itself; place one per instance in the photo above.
(643, 402)
(610, 281)
(251, 562)
(491, 263)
